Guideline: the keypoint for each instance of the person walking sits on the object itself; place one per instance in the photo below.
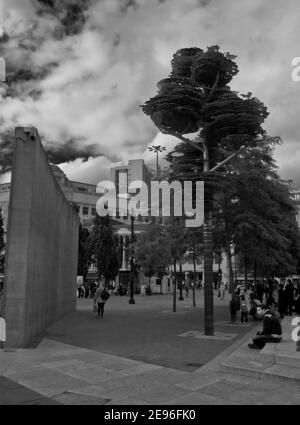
(259, 289)
(244, 309)
(281, 303)
(222, 290)
(143, 289)
(297, 299)
(289, 296)
(101, 296)
(234, 306)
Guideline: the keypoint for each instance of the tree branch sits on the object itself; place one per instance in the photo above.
(226, 160)
(213, 87)
(188, 141)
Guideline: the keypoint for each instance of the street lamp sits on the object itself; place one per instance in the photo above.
(156, 149)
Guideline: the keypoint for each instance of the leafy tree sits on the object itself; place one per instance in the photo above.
(196, 98)
(257, 215)
(103, 247)
(195, 246)
(153, 251)
(176, 234)
(84, 256)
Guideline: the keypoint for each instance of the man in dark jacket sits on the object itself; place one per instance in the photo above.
(271, 332)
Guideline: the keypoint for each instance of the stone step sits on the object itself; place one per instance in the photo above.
(284, 353)
(253, 363)
(276, 373)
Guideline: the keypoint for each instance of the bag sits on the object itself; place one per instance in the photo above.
(105, 295)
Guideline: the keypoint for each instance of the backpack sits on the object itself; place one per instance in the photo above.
(105, 295)
(244, 306)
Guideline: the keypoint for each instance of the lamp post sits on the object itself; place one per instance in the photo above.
(156, 149)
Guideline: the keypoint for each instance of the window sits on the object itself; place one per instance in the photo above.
(77, 208)
(85, 210)
(82, 189)
(94, 212)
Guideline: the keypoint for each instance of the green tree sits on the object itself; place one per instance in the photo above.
(84, 256)
(103, 247)
(152, 251)
(176, 235)
(257, 214)
(196, 98)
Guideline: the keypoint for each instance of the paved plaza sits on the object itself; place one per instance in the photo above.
(117, 360)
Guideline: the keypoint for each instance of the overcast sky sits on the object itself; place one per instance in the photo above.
(82, 79)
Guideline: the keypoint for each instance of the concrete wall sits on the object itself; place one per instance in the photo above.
(42, 243)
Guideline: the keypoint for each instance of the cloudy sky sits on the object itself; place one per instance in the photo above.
(78, 71)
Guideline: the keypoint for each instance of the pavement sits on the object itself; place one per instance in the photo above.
(144, 354)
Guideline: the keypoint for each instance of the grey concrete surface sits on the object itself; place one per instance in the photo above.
(42, 241)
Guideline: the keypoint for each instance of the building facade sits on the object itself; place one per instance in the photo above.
(82, 195)
(122, 176)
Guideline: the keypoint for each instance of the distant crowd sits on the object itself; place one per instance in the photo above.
(283, 294)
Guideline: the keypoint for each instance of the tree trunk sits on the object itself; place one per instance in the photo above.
(229, 262)
(174, 287)
(208, 252)
(195, 272)
(180, 298)
(246, 271)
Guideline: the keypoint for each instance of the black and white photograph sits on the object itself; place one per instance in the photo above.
(150, 205)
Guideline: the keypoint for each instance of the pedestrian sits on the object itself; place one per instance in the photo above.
(289, 296)
(143, 290)
(222, 290)
(297, 299)
(234, 307)
(187, 289)
(281, 303)
(259, 289)
(244, 309)
(2, 331)
(101, 296)
(271, 332)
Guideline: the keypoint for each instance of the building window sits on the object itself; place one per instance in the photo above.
(85, 210)
(82, 189)
(77, 208)
(94, 212)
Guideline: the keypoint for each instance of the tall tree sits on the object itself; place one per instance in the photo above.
(153, 251)
(103, 247)
(84, 256)
(176, 234)
(196, 98)
(257, 214)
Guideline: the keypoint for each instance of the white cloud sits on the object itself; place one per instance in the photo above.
(111, 67)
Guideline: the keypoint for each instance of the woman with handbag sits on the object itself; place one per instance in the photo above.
(100, 298)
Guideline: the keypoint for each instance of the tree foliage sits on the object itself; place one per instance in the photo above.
(84, 256)
(153, 251)
(103, 248)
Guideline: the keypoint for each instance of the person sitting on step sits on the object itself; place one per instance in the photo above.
(271, 332)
